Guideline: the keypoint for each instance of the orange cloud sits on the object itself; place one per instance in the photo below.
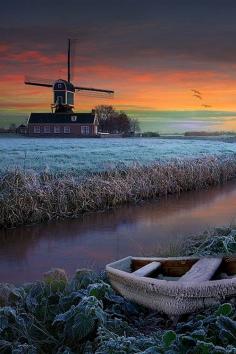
(157, 90)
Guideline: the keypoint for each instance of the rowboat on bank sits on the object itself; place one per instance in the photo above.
(174, 286)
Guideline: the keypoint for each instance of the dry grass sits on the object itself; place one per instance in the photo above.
(28, 197)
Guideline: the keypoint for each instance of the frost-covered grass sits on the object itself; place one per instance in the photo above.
(30, 197)
(85, 155)
(85, 315)
(221, 240)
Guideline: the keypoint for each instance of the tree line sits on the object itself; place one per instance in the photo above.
(114, 122)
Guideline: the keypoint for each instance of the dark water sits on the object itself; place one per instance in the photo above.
(96, 239)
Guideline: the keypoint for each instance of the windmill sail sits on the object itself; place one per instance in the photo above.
(38, 81)
(92, 89)
(64, 90)
(95, 94)
(68, 62)
(37, 84)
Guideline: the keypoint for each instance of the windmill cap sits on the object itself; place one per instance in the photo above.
(67, 85)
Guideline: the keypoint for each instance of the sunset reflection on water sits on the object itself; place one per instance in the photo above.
(97, 238)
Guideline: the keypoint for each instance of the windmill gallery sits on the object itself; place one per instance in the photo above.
(62, 121)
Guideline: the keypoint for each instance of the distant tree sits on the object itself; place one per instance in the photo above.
(104, 113)
(111, 121)
(122, 123)
(134, 124)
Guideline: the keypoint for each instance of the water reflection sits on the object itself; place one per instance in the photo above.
(95, 239)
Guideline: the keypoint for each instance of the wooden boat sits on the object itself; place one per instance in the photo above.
(174, 286)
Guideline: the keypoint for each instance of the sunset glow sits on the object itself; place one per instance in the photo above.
(164, 90)
(152, 58)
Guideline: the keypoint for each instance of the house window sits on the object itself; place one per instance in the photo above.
(73, 118)
(57, 130)
(46, 129)
(85, 130)
(36, 129)
(66, 130)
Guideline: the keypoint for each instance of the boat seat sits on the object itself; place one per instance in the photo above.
(202, 270)
(147, 270)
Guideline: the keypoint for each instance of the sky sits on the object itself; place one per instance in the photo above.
(151, 52)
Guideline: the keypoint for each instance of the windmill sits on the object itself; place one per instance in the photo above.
(64, 90)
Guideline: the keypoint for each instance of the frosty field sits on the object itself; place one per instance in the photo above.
(100, 154)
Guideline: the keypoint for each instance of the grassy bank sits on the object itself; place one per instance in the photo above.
(30, 197)
(85, 315)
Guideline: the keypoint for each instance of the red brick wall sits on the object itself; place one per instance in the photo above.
(75, 130)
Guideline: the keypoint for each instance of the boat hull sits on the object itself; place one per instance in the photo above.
(170, 297)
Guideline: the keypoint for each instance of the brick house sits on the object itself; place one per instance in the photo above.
(63, 125)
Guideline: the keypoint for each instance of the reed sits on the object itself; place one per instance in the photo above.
(30, 197)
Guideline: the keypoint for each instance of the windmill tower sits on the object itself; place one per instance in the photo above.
(64, 90)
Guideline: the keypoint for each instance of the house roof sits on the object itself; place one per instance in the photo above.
(72, 118)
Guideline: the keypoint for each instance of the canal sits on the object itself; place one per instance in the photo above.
(150, 228)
